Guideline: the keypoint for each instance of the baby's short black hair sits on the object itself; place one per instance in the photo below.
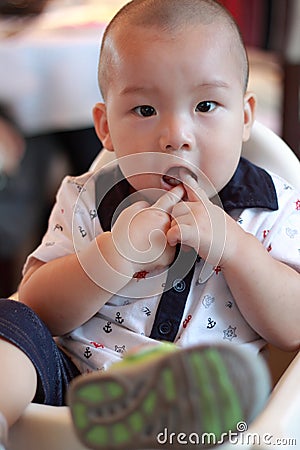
(169, 16)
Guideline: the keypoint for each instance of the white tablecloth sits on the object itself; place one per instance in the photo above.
(48, 71)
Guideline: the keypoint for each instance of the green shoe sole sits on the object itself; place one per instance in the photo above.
(167, 398)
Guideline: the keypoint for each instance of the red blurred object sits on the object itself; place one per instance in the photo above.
(251, 16)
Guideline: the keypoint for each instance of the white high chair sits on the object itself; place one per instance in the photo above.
(50, 428)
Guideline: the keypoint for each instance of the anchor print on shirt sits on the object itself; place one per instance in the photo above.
(119, 319)
(87, 354)
(211, 323)
(107, 327)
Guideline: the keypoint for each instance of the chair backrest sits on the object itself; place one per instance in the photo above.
(264, 148)
(269, 151)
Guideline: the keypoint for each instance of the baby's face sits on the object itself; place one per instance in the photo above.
(180, 96)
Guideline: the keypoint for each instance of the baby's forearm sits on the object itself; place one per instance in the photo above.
(67, 291)
(266, 291)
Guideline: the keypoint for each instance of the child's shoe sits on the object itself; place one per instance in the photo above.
(167, 397)
(3, 432)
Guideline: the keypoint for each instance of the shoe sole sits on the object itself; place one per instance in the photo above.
(190, 395)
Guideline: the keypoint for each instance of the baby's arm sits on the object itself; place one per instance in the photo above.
(265, 289)
(62, 292)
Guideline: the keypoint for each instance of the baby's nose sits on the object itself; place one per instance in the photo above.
(176, 135)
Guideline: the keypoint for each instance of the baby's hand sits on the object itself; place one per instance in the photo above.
(198, 223)
(139, 233)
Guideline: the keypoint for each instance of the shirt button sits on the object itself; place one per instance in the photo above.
(179, 285)
(165, 327)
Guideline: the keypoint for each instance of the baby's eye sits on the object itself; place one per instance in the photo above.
(206, 106)
(145, 111)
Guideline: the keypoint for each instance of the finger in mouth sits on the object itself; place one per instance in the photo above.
(177, 175)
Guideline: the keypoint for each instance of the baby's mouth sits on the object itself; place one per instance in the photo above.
(176, 176)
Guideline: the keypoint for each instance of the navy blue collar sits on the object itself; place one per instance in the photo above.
(250, 187)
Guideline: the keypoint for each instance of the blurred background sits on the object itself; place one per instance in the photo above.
(48, 86)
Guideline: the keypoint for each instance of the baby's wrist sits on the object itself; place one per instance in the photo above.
(233, 243)
(114, 257)
(103, 264)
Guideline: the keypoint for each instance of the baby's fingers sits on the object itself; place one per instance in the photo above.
(194, 192)
(174, 236)
(168, 200)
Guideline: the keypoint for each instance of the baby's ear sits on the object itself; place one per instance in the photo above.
(249, 114)
(101, 125)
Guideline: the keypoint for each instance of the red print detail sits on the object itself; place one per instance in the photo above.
(298, 205)
(217, 269)
(140, 275)
(97, 345)
(186, 321)
(269, 248)
(265, 233)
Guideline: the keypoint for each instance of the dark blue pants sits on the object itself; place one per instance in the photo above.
(21, 326)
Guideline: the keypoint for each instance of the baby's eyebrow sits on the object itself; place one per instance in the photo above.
(143, 89)
(127, 90)
(135, 90)
(213, 84)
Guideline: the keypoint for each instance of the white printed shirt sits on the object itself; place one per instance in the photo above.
(192, 312)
